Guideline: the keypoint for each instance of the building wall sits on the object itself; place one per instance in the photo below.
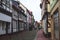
(5, 19)
(11, 24)
(23, 7)
(44, 15)
(43, 8)
(28, 20)
(55, 7)
(24, 16)
(15, 17)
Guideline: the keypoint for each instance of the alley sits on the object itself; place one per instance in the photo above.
(29, 19)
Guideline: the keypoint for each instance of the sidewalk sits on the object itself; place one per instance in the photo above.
(40, 36)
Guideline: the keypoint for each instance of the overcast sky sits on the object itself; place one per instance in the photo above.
(33, 5)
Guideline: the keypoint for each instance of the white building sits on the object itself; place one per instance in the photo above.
(5, 16)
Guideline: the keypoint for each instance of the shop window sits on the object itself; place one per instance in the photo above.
(21, 26)
(56, 25)
(3, 26)
(25, 26)
(8, 27)
(14, 26)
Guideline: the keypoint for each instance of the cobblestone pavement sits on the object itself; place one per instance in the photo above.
(40, 35)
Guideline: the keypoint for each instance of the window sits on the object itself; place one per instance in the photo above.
(14, 26)
(3, 1)
(3, 26)
(56, 25)
(15, 14)
(25, 26)
(6, 4)
(56, 21)
(0, 2)
(21, 26)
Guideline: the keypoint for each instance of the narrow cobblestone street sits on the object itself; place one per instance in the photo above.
(29, 19)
